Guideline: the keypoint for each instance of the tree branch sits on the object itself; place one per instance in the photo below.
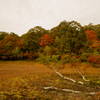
(58, 89)
(72, 80)
(67, 78)
(68, 90)
(83, 77)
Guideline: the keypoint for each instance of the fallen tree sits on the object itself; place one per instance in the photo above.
(73, 81)
(68, 90)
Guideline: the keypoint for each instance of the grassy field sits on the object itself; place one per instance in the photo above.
(24, 80)
(11, 69)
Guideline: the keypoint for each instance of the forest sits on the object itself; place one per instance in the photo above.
(66, 42)
(62, 63)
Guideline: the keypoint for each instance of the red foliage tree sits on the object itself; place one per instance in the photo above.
(94, 59)
(45, 40)
(91, 35)
(96, 44)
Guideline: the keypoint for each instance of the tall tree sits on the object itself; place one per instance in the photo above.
(69, 37)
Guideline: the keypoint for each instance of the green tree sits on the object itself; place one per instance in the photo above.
(3, 35)
(69, 37)
(8, 45)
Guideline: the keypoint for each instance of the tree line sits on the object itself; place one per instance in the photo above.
(66, 39)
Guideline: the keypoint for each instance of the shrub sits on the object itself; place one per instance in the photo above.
(70, 59)
(45, 59)
(66, 59)
(55, 58)
(84, 57)
(95, 60)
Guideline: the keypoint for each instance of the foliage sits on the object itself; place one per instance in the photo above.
(94, 59)
(46, 59)
(84, 57)
(91, 35)
(3, 35)
(46, 40)
(55, 58)
(68, 38)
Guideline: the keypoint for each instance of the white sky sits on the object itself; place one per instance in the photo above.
(20, 15)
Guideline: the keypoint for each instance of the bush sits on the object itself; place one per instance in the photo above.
(66, 59)
(84, 57)
(45, 59)
(70, 59)
(55, 58)
(94, 60)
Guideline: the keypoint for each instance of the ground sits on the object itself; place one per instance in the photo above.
(11, 69)
(22, 80)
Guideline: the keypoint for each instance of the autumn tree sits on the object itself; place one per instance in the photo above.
(66, 38)
(9, 46)
(95, 28)
(3, 35)
(69, 37)
(31, 41)
(91, 35)
(45, 40)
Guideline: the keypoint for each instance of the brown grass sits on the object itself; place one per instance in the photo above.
(11, 69)
(85, 68)
(24, 80)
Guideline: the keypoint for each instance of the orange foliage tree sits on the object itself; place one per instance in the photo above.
(91, 35)
(94, 59)
(45, 40)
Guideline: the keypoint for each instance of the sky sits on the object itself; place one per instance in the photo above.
(20, 15)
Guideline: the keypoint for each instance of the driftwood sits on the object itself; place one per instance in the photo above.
(67, 78)
(80, 73)
(58, 89)
(68, 90)
(71, 80)
(83, 77)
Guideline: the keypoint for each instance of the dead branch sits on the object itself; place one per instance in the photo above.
(72, 80)
(83, 77)
(58, 89)
(68, 90)
(80, 73)
(67, 78)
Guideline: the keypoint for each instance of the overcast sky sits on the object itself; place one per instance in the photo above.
(20, 15)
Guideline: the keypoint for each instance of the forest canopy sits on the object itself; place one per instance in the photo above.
(66, 39)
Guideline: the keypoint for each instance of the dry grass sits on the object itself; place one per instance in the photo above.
(24, 80)
(85, 68)
(11, 69)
